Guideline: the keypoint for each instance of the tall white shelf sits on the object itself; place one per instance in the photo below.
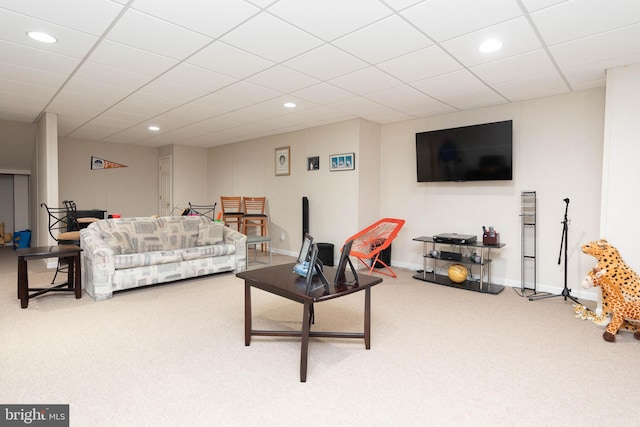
(528, 240)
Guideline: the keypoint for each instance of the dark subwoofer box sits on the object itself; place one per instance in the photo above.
(325, 253)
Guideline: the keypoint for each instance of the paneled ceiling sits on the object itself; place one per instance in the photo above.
(212, 72)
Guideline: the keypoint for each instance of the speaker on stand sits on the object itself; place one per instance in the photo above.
(305, 216)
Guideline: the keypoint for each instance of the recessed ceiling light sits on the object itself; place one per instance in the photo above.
(154, 128)
(42, 37)
(490, 45)
(290, 104)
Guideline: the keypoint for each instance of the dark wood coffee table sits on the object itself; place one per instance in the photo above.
(281, 280)
(73, 284)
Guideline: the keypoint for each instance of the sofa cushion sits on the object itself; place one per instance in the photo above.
(119, 241)
(180, 232)
(146, 259)
(210, 234)
(208, 251)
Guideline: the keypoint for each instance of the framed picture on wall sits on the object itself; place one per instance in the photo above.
(342, 162)
(313, 163)
(282, 161)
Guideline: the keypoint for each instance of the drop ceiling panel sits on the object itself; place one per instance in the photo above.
(229, 60)
(29, 76)
(279, 40)
(532, 87)
(421, 64)
(323, 93)
(516, 67)
(214, 17)
(155, 101)
(36, 59)
(445, 19)
(365, 81)
(558, 24)
(71, 43)
(92, 17)
(533, 5)
(177, 92)
(148, 33)
(127, 58)
(475, 98)
(43, 93)
(330, 19)
(356, 106)
(373, 44)
(99, 73)
(283, 79)
(516, 34)
(249, 92)
(605, 46)
(197, 77)
(326, 62)
(455, 82)
(406, 99)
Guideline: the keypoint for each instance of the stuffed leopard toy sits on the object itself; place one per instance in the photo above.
(619, 274)
(621, 310)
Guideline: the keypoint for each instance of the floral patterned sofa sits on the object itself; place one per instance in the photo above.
(127, 253)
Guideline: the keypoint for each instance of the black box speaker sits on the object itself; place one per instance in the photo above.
(325, 253)
(305, 216)
(453, 256)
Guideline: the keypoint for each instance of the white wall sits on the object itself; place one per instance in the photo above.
(129, 191)
(190, 176)
(620, 200)
(21, 202)
(557, 153)
(6, 207)
(248, 169)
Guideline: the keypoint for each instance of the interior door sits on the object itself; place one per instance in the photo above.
(166, 194)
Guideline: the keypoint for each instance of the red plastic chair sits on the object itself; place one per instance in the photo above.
(370, 242)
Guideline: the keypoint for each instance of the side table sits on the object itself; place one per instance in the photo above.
(73, 284)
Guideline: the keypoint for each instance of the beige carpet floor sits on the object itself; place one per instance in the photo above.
(174, 355)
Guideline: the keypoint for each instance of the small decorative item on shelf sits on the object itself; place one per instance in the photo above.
(476, 258)
(490, 236)
(458, 273)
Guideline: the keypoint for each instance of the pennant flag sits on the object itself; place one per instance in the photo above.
(98, 163)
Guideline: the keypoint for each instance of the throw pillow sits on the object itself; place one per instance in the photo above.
(119, 241)
(210, 234)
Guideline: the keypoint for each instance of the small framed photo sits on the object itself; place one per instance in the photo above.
(313, 163)
(342, 162)
(282, 161)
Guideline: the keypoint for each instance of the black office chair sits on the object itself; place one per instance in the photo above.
(64, 229)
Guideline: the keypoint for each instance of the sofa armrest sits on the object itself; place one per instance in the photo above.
(233, 237)
(98, 267)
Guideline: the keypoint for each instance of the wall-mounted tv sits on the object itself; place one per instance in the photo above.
(470, 153)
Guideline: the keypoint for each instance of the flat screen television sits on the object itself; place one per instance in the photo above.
(470, 153)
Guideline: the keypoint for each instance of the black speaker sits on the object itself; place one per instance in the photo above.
(305, 216)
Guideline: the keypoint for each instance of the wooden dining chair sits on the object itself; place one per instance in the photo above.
(254, 215)
(231, 209)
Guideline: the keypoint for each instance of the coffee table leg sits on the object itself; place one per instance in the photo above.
(306, 320)
(71, 265)
(23, 283)
(367, 318)
(78, 277)
(247, 314)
